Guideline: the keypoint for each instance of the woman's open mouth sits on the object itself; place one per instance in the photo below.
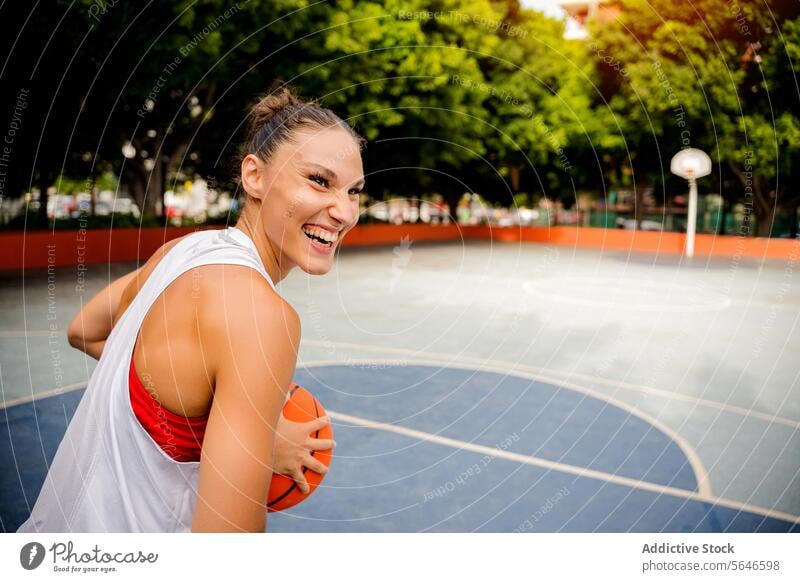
(320, 239)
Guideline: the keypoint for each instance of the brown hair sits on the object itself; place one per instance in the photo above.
(277, 115)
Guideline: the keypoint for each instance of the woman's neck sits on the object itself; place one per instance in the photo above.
(249, 224)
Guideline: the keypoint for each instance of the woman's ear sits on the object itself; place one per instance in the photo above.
(252, 167)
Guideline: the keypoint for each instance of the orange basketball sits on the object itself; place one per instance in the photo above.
(302, 406)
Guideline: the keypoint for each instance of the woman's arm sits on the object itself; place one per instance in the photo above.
(251, 338)
(90, 328)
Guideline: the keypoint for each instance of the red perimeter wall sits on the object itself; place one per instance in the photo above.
(37, 249)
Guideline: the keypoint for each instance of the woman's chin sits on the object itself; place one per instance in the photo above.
(316, 260)
(316, 266)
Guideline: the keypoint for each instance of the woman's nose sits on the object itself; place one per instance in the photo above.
(341, 208)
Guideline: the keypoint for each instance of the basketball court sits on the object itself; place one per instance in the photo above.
(494, 387)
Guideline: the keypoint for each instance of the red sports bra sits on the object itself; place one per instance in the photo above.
(178, 436)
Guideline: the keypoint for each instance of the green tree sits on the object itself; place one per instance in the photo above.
(173, 80)
(392, 69)
(711, 75)
(455, 95)
(552, 132)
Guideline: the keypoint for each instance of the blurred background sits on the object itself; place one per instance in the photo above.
(503, 113)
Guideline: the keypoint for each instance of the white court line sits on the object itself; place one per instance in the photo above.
(541, 288)
(561, 467)
(508, 455)
(554, 376)
(42, 395)
(546, 375)
(700, 473)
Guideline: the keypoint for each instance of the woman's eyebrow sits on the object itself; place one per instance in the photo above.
(331, 175)
(326, 172)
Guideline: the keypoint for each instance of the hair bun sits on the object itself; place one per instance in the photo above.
(268, 106)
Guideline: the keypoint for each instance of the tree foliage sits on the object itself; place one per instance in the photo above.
(453, 95)
(708, 74)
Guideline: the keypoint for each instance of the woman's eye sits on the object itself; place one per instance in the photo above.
(318, 179)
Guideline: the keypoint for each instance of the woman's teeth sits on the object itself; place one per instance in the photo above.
(322, 236)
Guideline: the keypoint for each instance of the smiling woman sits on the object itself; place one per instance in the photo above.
(301, 173)
(180, 427)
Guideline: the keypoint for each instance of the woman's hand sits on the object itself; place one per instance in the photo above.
(293, 446)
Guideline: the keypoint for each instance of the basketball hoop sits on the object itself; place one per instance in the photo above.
(691, 164)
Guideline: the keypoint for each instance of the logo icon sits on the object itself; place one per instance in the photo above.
(31, 555)
(402, 257)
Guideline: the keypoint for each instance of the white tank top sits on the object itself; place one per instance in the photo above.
(108, 474)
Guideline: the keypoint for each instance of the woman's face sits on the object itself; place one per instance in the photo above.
(309, 191)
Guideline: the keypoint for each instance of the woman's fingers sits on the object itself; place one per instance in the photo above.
(320, 444)
(315, 465)
(300, 479)
(317, 423)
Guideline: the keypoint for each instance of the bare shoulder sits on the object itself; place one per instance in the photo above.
(228, 290)
(240, 312)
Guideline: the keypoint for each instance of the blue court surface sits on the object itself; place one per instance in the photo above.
(538, 390)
